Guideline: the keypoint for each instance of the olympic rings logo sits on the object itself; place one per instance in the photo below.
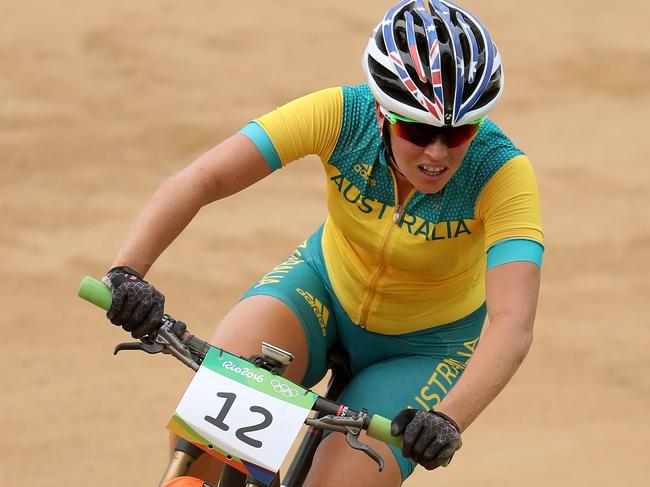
(284, 389)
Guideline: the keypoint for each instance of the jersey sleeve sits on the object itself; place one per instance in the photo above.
(509, 207)
(308, 125)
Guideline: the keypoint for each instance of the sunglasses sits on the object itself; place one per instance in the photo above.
(422, 134)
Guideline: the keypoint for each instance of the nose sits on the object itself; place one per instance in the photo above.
(437, 148)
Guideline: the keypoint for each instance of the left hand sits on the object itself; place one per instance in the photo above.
(430, 438)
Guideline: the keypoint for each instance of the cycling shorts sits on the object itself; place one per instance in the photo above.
(390, 372)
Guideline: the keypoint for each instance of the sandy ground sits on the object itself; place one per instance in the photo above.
(99, 101)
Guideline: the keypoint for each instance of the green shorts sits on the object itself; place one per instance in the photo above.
(391, 372)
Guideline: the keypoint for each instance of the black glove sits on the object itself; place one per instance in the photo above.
(137, 306)
(430, 438)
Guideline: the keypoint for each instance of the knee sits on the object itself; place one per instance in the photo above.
(335, 463)
(264, 318)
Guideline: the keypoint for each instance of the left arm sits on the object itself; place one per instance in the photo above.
(509, 207)
(511, 295)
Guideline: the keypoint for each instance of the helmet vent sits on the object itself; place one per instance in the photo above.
(449, 72)
(491, 91)
(390, 84)
(380, 43)
(441, 31)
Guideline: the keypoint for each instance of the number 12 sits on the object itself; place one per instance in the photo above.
(218, 421)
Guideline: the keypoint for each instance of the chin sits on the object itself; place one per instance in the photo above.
(431, 188)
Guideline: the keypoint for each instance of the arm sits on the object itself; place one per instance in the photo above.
(299, 128)
(511, 294)
(231, 166)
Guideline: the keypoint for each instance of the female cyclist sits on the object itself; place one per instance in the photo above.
(433, 222)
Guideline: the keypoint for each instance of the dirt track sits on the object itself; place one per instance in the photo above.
(100, 101)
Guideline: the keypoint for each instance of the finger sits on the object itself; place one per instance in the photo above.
(400, 421)
(141, 311)
(431, 465)
(438, 456)
(127, 303)
(426, 441)
(411, 434)
(125, 318)
(447, 454)
(116, 306)
(151, 322)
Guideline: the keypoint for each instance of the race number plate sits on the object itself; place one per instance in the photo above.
(242, 414)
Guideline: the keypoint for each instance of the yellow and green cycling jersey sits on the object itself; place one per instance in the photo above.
(399, 269)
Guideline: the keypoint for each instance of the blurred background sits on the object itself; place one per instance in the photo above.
(100, 101)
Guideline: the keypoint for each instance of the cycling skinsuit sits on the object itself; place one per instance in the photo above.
(400, 287)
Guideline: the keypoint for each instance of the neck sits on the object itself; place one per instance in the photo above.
(393, 163)
(404, 186)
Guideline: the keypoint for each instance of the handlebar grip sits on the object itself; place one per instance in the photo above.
(379, 428)
(95, 292)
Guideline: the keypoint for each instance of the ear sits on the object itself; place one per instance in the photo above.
(380, 117)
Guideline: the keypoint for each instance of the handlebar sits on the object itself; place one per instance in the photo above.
(193, 350)
(95, 292)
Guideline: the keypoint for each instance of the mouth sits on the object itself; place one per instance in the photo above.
(432, 171)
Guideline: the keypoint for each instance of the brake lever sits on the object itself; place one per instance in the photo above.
(330, 422)
(354, 442)
(173, 345)
(352, 429)
(163, 341)
(151, 348)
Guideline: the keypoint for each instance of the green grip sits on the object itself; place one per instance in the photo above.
(379, 428)
(95, 292)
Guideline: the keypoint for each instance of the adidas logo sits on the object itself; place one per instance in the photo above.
(364, 171)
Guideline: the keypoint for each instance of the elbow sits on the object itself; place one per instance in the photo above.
(519, 338)
(516, 333)
(524, 344)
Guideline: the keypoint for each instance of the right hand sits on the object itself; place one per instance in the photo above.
(137, 306)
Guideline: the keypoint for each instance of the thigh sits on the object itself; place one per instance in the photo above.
(241, 332)
(389, 386)
(263, 318)
(288, 307)
(336, 464)
(293, 304)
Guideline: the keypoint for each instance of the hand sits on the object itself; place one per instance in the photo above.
(430, 438)
(137, 306)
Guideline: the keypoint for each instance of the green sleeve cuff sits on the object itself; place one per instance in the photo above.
(515, 250)
(262, 141)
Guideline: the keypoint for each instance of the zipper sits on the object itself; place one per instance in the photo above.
(381, 268)
(397, 216)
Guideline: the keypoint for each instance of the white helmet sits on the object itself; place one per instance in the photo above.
(436, 66)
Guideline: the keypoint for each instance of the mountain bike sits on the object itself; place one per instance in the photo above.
(173, 338)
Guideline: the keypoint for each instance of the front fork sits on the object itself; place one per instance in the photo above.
(184, 456)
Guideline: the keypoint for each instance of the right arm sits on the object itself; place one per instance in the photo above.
(226, 169)
(309, 125)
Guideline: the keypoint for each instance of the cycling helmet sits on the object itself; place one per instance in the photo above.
(437, 66)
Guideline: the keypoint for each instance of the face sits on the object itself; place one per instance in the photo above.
(428, 169)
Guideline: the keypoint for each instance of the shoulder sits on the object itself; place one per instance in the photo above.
(358, 96)
(359, 129)
(358, 107)
(490, 150)
(495, 158)
(487, 154)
